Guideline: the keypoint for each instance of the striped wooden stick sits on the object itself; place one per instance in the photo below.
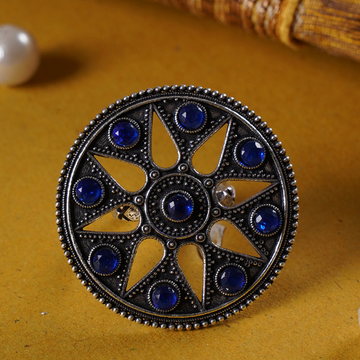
(333, 25)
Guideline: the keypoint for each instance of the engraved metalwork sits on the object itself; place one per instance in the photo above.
(145, 206)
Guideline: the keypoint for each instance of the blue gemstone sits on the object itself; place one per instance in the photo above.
(266, 220)
(191, 117)
(164, 297)
(88, 191)
(251, 154)
(179, 207)
(105, 261)
(125, 134)
(231, 280)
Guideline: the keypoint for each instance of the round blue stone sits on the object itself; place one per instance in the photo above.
(231, 280)
(179, 207)
(191, 117)
(88, 191)
(105, 261)
(266, 220)
(251, 154)
(164, 297)
(125, 134)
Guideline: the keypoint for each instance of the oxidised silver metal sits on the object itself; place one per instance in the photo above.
(145, 204)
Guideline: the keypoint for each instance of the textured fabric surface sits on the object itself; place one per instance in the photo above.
(330, 25)
(94, 52)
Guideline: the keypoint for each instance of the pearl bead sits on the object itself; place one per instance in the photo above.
(19, 55)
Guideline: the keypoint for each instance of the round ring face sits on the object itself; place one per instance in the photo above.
(177, 206)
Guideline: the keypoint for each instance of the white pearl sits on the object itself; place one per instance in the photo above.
(19, 55)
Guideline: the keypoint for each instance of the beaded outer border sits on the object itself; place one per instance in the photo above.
(279, 262)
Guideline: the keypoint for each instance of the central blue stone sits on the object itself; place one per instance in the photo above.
(266, 220)
(125, 134)
(88, 191)
(179, 207)
(191, 117)
(105, 261)
(164, 297)
(231, 280)
(251, 154)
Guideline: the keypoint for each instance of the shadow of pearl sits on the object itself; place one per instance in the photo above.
(19, 55)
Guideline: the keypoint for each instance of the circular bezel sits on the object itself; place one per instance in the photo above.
(163, 202)
(156, 212)
(93, 205)
(281, 192)
(218, 271)
(166, 282)
(100, 246)
(241, 143)
(253, 226)
(184, 129)
(133, 122)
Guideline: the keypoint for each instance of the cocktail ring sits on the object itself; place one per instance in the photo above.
(177, 206)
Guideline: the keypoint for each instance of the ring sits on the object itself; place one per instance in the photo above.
(177, 206)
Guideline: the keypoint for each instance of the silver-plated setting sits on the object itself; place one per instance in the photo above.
(251, 220)
(102, 192)
(133, 122)
(171, 244)
(127, 212)
(209, 183)
(219, 270)
(165, 282)
(100, 246)
(216, 212)
(139, 200)
(154, 174)
(146, 229)
(225, 194)
(280, 191)
(183, 167)
(201, 237)
(181, 127)
(241, 143)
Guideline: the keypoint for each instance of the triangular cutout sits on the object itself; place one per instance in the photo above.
(206, 158)
(244, 190)
(163, 149)
(233, 240)
(192, 266)
(112, 222)
(148, 255)
(129, 176)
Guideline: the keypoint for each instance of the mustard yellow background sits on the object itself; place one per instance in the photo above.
(94, 52)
